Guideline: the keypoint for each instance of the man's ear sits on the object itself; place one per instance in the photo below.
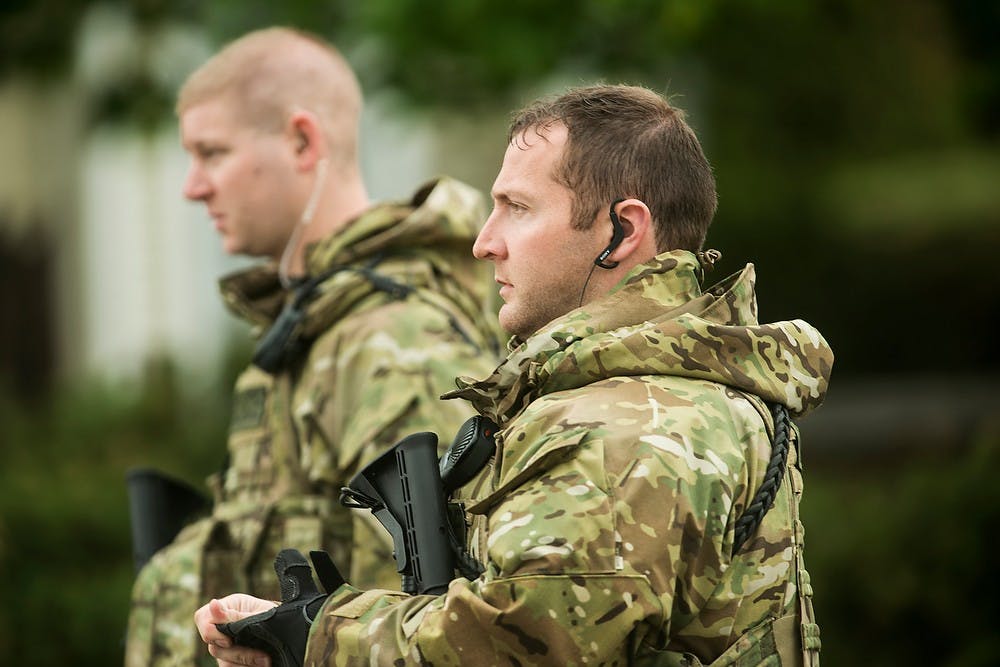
(306, 138)
(638, 242)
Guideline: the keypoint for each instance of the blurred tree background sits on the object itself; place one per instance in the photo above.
(857, 151)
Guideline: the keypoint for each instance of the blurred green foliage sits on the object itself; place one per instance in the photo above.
(36, 36)
(65, 553)
(901, 556)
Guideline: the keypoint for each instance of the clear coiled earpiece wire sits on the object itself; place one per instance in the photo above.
(307, 215)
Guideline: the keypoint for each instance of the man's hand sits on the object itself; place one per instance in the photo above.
(231, 608)
(247, 627)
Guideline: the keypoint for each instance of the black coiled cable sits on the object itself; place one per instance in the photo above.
(748, 523)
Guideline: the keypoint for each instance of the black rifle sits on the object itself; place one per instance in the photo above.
(406, 489)
(159, 506)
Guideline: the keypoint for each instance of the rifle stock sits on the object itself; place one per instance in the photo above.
(403, 489)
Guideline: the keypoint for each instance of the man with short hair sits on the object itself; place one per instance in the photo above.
(366, 314)
(642, 503)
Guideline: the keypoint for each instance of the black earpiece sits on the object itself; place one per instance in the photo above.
(617, 234)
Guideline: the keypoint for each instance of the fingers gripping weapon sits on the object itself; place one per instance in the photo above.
(406, 489)
(282, 632)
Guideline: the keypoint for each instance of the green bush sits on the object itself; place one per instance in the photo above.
(901, 557)
(65, 554)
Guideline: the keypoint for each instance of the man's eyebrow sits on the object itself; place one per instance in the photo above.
(508, 196)
(203, 144)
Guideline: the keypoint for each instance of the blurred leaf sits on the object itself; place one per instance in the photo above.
(485, 51)
(917, 193)
(903, 551)
(37, 35)
(64, 534)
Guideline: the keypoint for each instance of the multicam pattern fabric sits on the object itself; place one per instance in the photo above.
(373, 374)
(633, 433)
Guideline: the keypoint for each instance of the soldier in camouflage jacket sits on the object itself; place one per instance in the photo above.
(391, 310)
(635, 429)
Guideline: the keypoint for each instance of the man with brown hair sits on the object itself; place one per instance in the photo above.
(365, 314)
(642, 503)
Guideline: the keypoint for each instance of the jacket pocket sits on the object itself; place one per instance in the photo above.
(514, 470)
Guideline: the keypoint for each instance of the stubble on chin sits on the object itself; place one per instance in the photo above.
(508, 321)
(517, 322)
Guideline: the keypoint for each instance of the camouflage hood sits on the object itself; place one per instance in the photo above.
(657, 321)
(423, 243)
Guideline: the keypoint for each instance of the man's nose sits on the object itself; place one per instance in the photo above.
(196, 186)
(487, 246)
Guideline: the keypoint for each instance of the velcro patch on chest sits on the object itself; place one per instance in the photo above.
(249, 408)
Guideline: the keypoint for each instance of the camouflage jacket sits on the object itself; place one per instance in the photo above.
(376, 363)
(633, 434)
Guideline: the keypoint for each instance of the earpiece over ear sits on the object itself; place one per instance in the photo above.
(617, 234)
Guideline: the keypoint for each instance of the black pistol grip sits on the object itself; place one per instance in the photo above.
(282, 632)
(294, 576)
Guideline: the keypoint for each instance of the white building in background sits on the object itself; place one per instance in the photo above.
(136, 265)
(149, 260)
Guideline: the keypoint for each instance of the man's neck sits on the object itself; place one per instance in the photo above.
(340, 204)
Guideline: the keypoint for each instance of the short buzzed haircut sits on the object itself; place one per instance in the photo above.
(629, 142)
(268, 74)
